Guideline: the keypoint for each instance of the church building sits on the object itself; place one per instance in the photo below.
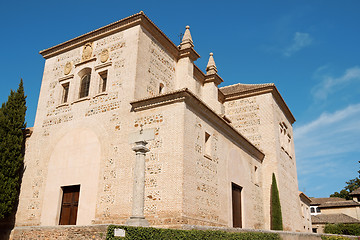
(211, 151)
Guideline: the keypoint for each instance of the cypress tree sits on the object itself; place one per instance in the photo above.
(275, 208)
(12, 128)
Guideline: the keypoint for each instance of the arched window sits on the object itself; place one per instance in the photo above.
(85, 84)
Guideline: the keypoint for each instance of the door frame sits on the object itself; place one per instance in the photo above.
(236, 186)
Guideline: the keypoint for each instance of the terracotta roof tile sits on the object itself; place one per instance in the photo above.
(333, 218)
(355, 192)
(240, 87)
(333, 202)
(319, 201)
(346, 203)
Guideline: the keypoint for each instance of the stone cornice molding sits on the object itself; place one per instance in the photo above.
(221, 96)
(213, 78)
(66, 77)
(136, 19)
(185, 95)
(263, 90)
(86, 61)
(102, 65)
(190, 53)
(305, 198)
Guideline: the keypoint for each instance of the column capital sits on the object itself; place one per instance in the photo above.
(140, 147)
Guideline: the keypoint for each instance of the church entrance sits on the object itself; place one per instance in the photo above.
(236, 205)
(69, 205)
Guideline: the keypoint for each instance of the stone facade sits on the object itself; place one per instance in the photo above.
(305, 211)
(101, 87)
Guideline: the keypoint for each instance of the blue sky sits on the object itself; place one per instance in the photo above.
(309, 49)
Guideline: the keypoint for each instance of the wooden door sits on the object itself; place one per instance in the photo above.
(69, 205)
(236, 205)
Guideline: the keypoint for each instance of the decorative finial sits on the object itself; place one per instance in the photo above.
(141, 12)
(187, 41)
(211, 67)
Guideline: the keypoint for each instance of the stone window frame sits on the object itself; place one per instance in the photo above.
(65, 92)
(99, 70)
(103, 80)
(78, 82)
(65, 81)
(85, 81)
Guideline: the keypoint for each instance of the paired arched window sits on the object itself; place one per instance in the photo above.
(85, 75)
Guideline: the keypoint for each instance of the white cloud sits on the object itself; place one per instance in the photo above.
(328, 147)
(331, 84)
(300, 41)
(327, 119)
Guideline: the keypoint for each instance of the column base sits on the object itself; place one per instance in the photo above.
(137, 222)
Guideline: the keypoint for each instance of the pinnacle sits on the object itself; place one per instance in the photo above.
(211, 67)
(187, 41)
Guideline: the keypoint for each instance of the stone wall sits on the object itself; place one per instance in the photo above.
(100, 114)
(260, 119)
(212, 162)
(96, 232)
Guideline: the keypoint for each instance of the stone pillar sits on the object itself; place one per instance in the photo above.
(137, 216)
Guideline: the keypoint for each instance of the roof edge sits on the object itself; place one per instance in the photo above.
(125, 23)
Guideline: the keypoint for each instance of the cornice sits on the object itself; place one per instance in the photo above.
(86, 61)
(66, 77)
(185, 95)
(221, 96)
(103, 65)
(302, 195)
(263, 90)
(136, 19)
(213, 78)
(190, 53)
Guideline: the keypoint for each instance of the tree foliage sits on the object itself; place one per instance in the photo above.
(275, 208)
(12, 127)
(352, 185)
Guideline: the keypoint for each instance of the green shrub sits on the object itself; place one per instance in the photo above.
(334, 238)
(343, 229)
(275, 207)
(144, 233)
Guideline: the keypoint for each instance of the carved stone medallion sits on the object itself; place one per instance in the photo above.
(104, 55)
(87, 51)
(67, 68)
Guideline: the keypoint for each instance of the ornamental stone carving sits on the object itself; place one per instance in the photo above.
(104, 55)
(67, 68)
(87, 51)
